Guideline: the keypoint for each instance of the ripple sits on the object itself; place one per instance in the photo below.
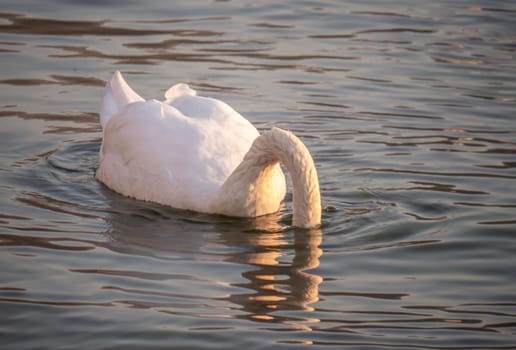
(438, 187)
(271, 25)
(461, 62)
(156, 293)
(83, 117)
(408, 114)
(498, 222)
(182, 20)
(57, 80)
(423, 218)
(397, 30)
(435, 173)
(401, 115)
(54, 243)
(20, 24)
(486, 205)
(373, 80)
(46, 202)
(388, 296)
(56, 303)
(172, 43)
(134, 274)
(8, 217)
(141, 59)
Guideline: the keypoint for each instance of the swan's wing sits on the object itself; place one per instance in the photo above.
(117, 95)
(178, 152)
(152, 152)
(227, 135)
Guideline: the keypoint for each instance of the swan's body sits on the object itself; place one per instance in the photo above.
(197, 153)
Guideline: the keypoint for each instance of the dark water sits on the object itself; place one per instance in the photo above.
(408, 108)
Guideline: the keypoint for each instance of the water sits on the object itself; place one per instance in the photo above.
(407, 107)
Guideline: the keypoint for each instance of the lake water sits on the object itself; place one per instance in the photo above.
(408, 108)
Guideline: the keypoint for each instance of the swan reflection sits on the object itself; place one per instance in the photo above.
(279, 278)
(276, 263)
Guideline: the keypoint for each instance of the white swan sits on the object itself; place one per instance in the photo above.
(197, 153)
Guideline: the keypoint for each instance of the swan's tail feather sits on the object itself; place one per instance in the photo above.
(116, 95)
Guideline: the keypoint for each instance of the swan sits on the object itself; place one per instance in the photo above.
(197, 153)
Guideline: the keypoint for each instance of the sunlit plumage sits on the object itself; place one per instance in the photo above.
(182, 151)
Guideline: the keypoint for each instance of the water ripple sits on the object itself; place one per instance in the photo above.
(406, 110)
(435, 173)
(20, 24)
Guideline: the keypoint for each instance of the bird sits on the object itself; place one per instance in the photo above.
(197, 153)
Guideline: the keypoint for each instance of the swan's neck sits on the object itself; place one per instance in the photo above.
(251, 184)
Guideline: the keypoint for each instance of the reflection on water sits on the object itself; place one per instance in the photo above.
(274, 264)
(407, 110)
(277, 285)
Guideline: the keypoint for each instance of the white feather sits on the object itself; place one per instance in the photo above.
(178, 152)
(198, 153)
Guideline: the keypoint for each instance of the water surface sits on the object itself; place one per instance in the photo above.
(407, 107)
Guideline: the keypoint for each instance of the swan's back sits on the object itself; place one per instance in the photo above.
(178, 152)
